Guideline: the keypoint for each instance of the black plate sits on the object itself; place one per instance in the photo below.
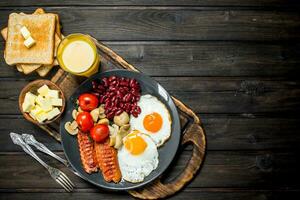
(166, 152)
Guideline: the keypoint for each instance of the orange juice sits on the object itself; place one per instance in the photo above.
(78, 55)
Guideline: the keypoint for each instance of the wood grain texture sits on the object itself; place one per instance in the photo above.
(224, 132)
(205, 95)
(152, 3)
(200, 59)
(231, 169)
(238, 61)
(189, 193)
(177, 24)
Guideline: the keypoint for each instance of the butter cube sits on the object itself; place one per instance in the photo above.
(30, 98)
(46, 105)
(39, 100)
(32, 116)
(27, 106)
(53, 113)
(25, 33)
(56, 102)
(29, 42)
(53, 94)
(43, 90)
(35, 111)
(41, 117)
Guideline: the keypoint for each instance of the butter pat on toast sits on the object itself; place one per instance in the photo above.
(42, 28)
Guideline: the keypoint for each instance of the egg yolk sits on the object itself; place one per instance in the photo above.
(153, 122)
(135, 144)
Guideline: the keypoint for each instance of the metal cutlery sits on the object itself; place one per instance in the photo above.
(30, 139)
(55, 173)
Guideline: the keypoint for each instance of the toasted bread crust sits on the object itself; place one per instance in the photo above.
(42, 28)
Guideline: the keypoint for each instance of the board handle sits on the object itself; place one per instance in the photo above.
(194, 134)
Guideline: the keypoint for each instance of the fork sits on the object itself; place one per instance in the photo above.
(30, 139)
(55, 173)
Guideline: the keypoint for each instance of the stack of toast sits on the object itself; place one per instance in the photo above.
(45, 29)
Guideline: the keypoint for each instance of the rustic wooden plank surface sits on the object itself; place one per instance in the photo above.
(241, 169)
(152, 2)
(224, 132)
(237, 63)
(202, 58)
(163, 23)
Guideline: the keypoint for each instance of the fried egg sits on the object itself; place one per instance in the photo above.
(154, 119)
(138, 157)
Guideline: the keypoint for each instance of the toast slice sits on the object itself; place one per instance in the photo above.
(29, 68)
(45, 69)
(42, 29)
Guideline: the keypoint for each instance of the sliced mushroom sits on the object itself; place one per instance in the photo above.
(123, 131)
(102, 116)
(113, 130)
(74, 125)
(103, 121)
(95, 114)
(69, 129)
(118, 142)
(121, 119)
(112, 140)
(125, 128)
(79, 109)
(74, 113)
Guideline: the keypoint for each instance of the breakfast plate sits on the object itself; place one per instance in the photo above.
(166, 152)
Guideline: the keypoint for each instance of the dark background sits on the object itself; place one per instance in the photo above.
(235, 62)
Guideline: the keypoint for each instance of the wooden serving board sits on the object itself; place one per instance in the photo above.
(192, 131)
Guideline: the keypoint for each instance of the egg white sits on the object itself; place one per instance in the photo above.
(135, 168)
(148, 105)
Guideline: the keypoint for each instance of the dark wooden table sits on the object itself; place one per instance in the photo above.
(236, 63)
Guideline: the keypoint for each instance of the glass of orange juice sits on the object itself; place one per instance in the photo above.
(77, 54)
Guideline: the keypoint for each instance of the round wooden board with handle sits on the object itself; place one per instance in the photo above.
(193, 132)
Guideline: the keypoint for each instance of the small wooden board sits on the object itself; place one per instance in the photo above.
(192, 131)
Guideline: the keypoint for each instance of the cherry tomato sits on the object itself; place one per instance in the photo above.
(99, 132)
(88, 102)
(85, 121)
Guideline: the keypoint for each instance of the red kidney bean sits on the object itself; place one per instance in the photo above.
(113, 99)
(127, 98)
(114, 83)
(116, 102)
(127, 110)
(118, 112)
(137, 98)
(101, 87)
(118, 94)
(105, 81)
(135, 114)
(110, 115)
(126, 89)
(123, 83)
(112, 78)
(114, 109)
(138, 109)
